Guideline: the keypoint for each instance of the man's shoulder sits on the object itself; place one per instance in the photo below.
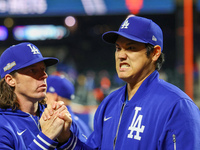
(170, 89)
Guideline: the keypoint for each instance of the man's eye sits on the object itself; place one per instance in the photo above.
(117, 48)
(32, 70)
(43, 69)
(131, 48)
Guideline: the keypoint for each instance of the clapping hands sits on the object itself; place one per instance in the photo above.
(56, 121)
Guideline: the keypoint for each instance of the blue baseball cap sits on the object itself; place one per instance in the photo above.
(20, 56)
(137, 29)
(60, 85)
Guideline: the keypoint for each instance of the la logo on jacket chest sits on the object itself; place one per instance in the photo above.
(136, 125)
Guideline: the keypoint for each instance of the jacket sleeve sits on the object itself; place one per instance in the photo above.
(5, 139)
(74, 144)
(94, 140)
(78, 132)
(41, 142)
(182, 129)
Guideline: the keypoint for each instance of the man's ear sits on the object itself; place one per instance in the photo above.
(10, 80)
(156, 53)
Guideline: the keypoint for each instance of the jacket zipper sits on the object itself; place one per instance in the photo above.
(174, 140)
(122, 109)
(38, 125)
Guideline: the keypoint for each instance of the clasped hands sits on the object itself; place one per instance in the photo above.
(56, 121)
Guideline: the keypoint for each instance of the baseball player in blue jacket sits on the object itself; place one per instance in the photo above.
(147, 113)
(22, 93)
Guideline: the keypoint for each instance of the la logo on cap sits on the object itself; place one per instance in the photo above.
(51, 89)
(125, 24)
(33, 49)
(154, 38)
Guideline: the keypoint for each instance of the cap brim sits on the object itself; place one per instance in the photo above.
(49, 61)
(111, 37)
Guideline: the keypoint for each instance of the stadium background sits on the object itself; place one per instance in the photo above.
(71, 31)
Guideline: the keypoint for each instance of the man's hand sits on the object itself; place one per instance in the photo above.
(51, 108)
(65, 134)
(56, 121)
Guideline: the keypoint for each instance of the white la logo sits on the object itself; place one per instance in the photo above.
(33, 49)
(136, 125)
(125, 24)
(154, 38)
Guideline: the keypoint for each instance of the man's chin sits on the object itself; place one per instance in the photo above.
(42, 96)
(122, 76)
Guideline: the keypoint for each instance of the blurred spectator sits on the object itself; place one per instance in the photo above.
(59, 88)
(81, 91)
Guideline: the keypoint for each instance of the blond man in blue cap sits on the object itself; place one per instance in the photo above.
(22, 93)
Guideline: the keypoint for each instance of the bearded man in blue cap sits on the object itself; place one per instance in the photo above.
(22, 93)
(147, 113)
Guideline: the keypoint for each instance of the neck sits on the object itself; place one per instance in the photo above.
(132, 89)
(134, 86)
(29, 107)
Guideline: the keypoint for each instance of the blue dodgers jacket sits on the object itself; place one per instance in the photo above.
(158, 117)
(21, 131)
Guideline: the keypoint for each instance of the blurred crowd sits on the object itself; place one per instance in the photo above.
(91, 87)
